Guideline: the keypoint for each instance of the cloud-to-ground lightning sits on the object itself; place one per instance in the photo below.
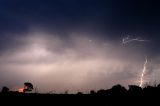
(128, 40)
(143, 72)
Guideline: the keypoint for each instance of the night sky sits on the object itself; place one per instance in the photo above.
(76, 45)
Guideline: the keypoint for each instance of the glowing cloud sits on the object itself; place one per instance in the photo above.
(73, 64)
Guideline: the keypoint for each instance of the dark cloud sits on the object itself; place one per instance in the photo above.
(91, 16)
(61, 15)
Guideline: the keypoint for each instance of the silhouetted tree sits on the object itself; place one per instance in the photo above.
(104, 92)
(134, 90)
(158, 86)
(66, 92)
(149, 90)
(79, 93)
(5, 89)
(118, 90)
(101, 92)
(28, 86)
(92, 92)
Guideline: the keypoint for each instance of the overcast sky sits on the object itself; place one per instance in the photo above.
(76, 45)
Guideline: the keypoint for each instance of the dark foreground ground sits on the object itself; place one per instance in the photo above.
(77, 99)
(117, 95)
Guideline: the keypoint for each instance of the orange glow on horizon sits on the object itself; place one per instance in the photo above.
(21, 90)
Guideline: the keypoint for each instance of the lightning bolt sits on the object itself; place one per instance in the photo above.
(125, 39)
(143, 72)
(128, 40)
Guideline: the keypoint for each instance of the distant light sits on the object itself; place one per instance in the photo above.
(21, 90)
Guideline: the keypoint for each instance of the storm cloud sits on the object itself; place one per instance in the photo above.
(77, 45)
